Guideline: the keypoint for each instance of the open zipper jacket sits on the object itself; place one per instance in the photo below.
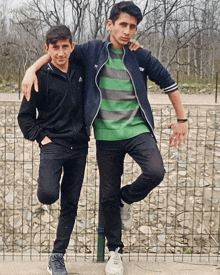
(139, 64)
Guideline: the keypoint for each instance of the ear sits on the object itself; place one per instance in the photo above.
(109, 24)
(46, 48)
(73, 46)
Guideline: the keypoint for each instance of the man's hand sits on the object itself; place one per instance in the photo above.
(46, 140)
(30, 76)
(134, 45)
(179, 135)
(29, 79)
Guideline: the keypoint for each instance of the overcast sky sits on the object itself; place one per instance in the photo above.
(15, 3)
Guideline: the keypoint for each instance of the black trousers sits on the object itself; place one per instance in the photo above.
(110, 156)
(55, 159)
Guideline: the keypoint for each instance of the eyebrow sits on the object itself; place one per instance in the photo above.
(128, 23)
(55, 45)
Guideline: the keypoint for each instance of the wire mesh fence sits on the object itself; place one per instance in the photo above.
(180, 217)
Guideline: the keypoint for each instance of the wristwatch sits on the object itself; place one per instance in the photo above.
(182, 119)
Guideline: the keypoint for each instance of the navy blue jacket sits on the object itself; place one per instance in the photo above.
(140, 64)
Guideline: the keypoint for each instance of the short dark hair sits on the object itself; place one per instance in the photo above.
(58, 32)
(127, 7)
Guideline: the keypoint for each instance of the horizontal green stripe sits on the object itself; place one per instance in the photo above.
(115, 63)
(118, 51)
(121, 134)
(112, 105)
(117, 125)
(115, 84)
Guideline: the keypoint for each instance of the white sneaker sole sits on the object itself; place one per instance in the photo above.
(49, 271)
(106, 273)
(114, 273)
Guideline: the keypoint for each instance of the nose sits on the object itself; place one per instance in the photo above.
(60, 52)
(127, 30)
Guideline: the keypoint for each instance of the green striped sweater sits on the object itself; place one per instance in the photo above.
(119, 116)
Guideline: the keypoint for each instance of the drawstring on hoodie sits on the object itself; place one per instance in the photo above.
(47, 89)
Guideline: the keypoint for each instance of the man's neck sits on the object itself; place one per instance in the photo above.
(63, 68)
(115, 44)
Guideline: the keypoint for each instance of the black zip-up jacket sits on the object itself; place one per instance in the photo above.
(57, 110)
(139, 64)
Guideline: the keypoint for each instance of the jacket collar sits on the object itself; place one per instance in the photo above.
(55, 69)
(50, 68)
(103, 56)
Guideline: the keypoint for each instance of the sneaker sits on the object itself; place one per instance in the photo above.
(56, 264)
(114, 265)
(126, 215)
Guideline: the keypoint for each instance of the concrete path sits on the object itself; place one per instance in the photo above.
(191, 99)
(130, 268)
(187, 99)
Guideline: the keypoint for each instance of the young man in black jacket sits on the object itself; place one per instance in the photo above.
(60, 131)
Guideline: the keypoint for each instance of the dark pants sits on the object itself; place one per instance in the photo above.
(55, 159)
(110, 156)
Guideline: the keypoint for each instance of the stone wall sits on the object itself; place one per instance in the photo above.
(180, 216)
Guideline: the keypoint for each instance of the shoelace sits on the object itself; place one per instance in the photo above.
(116, 257)
(59, 263)
(128, 212)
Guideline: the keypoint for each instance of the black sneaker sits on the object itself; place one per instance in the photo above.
(56, 264)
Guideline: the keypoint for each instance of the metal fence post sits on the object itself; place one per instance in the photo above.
(19, 82)
(216, 90)
(101, 235)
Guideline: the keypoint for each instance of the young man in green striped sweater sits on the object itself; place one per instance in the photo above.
(122, 127)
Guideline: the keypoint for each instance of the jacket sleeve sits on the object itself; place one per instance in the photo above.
(158, 73)
(82, 53)
(77, 54)
(27, 119)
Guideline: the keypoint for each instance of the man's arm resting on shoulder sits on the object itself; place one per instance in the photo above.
(30, 77)
(180, 129)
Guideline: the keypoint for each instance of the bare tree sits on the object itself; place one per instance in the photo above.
(183, 34)
(98, 13)
(6, 42)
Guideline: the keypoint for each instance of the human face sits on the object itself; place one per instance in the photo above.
(60, 53)
(122, 30)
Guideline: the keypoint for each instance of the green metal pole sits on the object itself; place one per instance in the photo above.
(101, 236)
